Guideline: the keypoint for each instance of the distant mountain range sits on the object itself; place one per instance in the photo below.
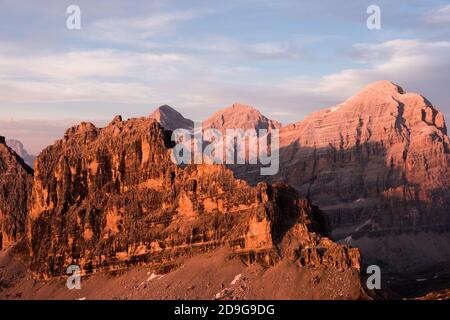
(17, 146)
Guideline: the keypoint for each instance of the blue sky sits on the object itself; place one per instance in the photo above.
(286, 58)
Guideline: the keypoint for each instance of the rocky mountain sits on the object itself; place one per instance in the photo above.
(171, 119)
(382, 145)
(111, 200)
(378, 165)
(15, 188)
(239, 116)
(105, 199)
(18, 148)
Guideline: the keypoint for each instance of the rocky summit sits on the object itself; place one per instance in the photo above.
(381, 151)
(171, 119)
(240, 116)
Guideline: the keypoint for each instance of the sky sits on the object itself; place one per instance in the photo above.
(286, 58)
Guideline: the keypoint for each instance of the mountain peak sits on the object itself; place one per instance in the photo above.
(166, 108)
(240, 106)
(240, 116)
(382, 87)
(171, 119)
(383, 99)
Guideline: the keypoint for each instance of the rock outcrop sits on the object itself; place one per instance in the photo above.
(15, 187)
(107, 198)
(18, 148)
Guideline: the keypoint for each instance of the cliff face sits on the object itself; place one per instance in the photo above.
(107, 198)
(377, 163)
(380, 158)
(15, 188)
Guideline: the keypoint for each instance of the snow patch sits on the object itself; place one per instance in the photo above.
(154, 276)
(335, 108)
(236, 279)
(363, 225)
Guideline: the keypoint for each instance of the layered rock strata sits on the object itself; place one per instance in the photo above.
(107, 198)
(376, 164)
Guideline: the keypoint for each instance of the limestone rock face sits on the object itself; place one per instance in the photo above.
(15, 187)
(171, 119)
(240, 116)
(18, 148)
(377, 162)
(107, 198)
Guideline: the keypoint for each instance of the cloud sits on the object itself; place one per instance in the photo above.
(106, 75)
(439, 16)
(94, 75)
(98, 63)
(225, 46)
(416, 65)
(272, 50)
(37, 134)
(202, 85)
(138, 29)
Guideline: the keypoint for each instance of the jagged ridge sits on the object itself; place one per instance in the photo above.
(107, 198)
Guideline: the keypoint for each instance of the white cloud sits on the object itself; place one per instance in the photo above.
(272, 50)
(225, 46)
(83, 64)
(416, 65)
(202, 84)
(439, 16)
(95, 75)
(127, 30)
(36, 91)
